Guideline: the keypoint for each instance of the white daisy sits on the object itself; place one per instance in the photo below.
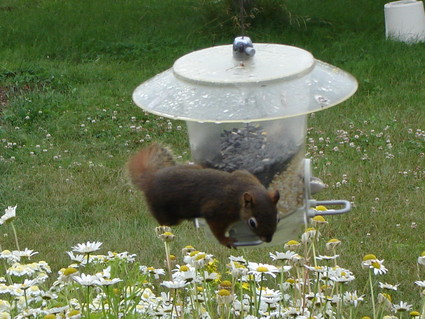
(185, 273)
(283, 256)
(317, 269)
(211, 276)
(388, 286)
(238, 259)
(338, 274)
(370, 261)
(20, 270)
(402, 307)
(107, 281)
(9, 256)
(5, 306)
(259, 269)
(292, 244)
(87, 248)
(86, 280)
(156, 272)
(5, 315)
(333, 243)
(76, 258)
(310, 234)
(125, 256)
(175, 284)
(269, 296)
(28, 253)
(9, 215)
(326, 257)
(237, 269)
(385, 300)
(198, 259)
(421, 259)
(352, 298)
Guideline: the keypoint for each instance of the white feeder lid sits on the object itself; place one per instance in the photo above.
(279, 81)
(215, 66)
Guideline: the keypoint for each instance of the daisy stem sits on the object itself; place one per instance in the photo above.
(26, 298)
(16, 235)
(334, 252)
(257, 310)
(206, 292)
(313, 246)
(423, 307)
(88, 302)
(253, 290)
(242, 315)
(167, 258)
(371, 294)
(174, 305)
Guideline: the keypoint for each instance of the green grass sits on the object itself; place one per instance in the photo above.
(68, 70)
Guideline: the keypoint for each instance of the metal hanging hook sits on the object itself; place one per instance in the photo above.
(243, 48)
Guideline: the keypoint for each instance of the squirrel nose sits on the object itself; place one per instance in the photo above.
(267, 239)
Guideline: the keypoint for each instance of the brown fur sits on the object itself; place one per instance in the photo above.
(177, 192)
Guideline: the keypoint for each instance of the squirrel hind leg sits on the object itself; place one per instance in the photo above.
(166, 220)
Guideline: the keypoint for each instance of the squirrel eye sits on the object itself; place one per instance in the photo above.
(252, 222)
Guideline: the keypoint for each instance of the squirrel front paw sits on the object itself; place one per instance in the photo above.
(229, 242)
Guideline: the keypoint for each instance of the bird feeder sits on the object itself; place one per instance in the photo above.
(246, 107)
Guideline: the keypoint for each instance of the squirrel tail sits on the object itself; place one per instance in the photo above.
(146, 162)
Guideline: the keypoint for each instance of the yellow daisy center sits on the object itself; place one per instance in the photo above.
(292, 243)
(333, 240)
(224, 292)
(69, 271)
(387, 296)
(184, 268)
(200, 256)
(369, 257)
(319, 219)
(262, 269)
(73, 313)
(225, 283)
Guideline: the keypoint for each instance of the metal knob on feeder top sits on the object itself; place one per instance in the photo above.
(243, 48)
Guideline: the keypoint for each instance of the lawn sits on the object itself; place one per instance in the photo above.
(68, 125)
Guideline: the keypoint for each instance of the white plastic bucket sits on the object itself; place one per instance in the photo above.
(405, 21)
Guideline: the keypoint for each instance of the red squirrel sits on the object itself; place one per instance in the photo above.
(175, 192)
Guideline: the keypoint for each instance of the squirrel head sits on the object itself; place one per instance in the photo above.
(258, 210)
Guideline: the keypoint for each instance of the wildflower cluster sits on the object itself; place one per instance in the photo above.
(127, 130)
(297, 282)
(366, 143)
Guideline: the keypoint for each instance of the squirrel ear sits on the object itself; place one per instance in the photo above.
(247, 199)
(274, 196)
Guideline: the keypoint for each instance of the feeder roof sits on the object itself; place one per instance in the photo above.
(279, 81)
